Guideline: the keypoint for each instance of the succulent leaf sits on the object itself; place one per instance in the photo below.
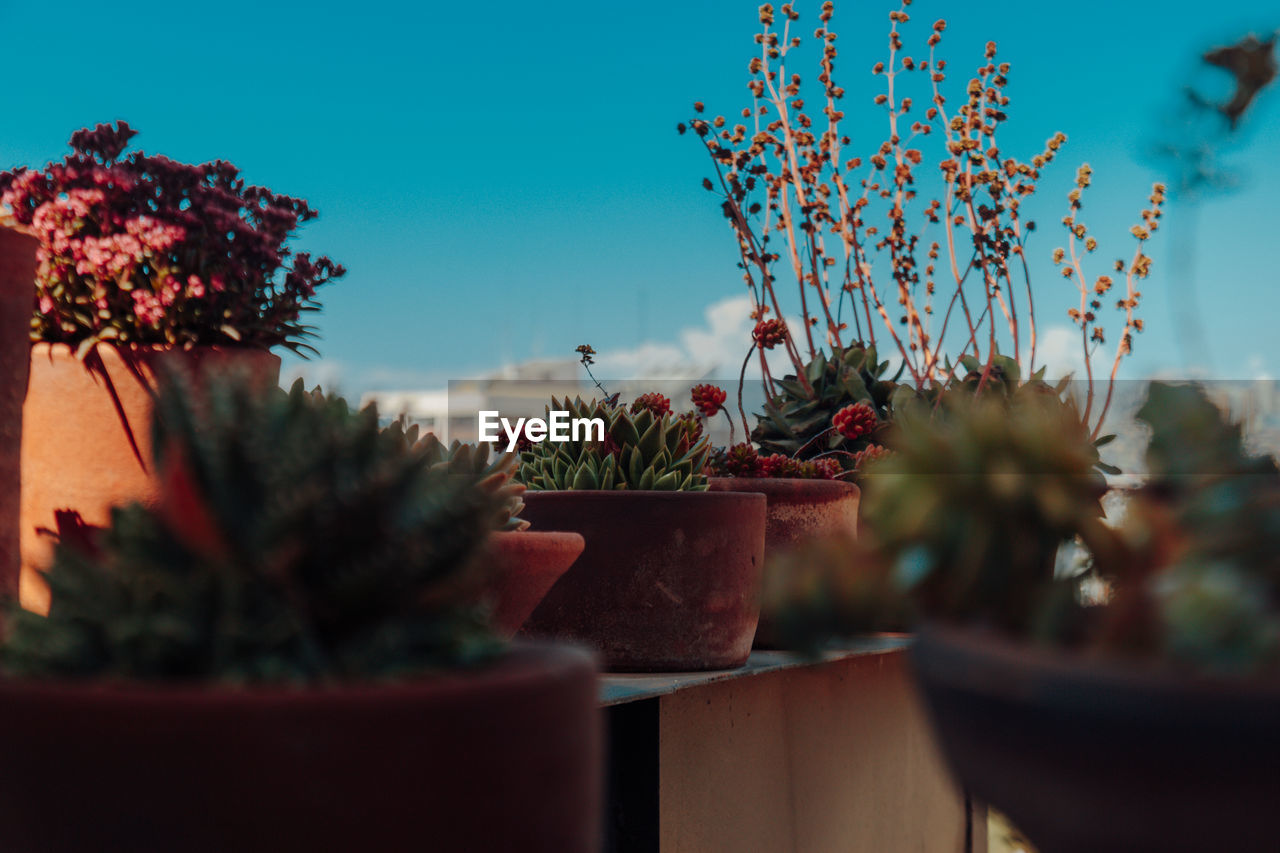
(793, 423)
(293, 540)
(641, 450)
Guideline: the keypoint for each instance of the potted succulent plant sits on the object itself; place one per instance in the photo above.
(141, 259)
(1128, 706)
(287, 646)
(522, 563)
(812, 438)
(670, 577)
(902, 288)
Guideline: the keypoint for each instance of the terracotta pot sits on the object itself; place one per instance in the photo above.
(668, 581)
(798, 510)
(17, 301)
(507, 757)
(525, 565)
(1105, 756)
(84, 451)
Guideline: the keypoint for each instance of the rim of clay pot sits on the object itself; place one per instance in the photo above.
(523, 662)
(624, 495)
(545, 538)
(787, 487)
(983, 662)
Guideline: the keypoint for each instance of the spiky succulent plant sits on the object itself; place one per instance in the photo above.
(641, 450)
(495, 470)
(976, 498)
(800, 422)
(1200, 580)
(293, 539)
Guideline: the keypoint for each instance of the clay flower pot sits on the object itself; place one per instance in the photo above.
(504, 757)
(17, 298)
(669, 581)
(525, 563)
(1108, 756)
(86, 442)
(798, 510)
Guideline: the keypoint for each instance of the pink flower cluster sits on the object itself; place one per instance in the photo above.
(143, 249)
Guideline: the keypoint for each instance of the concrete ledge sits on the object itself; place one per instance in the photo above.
(616, 689)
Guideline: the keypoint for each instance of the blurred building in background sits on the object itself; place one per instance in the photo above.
(525, 390)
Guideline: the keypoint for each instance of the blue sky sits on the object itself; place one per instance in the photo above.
(505, 182)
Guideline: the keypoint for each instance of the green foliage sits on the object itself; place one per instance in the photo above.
(1206, 530)
(494, 471)
(293, 540)
(640, 451)
(828, 587)
(969, 509)
(976, 498)
(794, 422)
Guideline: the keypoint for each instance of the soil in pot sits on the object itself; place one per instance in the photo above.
(525, 564)
(85, 438)
(798, 510)
(504, 757)
(1105, 756)
(668, 581)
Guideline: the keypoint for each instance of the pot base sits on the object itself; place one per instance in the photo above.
(668, 582)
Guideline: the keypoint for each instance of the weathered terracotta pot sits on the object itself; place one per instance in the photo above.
(86, 441)
(525, 565)
(798, 510)
(506, 757)
(17, 301)
(668, 581)
(1105, 756)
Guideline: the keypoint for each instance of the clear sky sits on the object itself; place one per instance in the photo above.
(504, 179)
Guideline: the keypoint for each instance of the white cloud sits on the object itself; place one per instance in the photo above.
(715, 348)
(1059, 349)
(712, 350)
(1258, 370)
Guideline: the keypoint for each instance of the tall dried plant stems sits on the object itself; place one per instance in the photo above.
(789, 179)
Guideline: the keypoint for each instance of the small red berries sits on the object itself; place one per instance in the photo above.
(855, 420)
(654, 402)
(769, 333)
(708, 399)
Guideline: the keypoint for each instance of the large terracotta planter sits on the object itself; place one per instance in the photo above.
(798, 510)
(669, 581)
(507, 757)
(525, 564)
(17, 302)
(86, 441)
(1104, 756)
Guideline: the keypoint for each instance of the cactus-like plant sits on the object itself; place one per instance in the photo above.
(801, 422)
(1199, 581)
(977, 497)
(495, 470)
(293, 540)
(640, 450)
